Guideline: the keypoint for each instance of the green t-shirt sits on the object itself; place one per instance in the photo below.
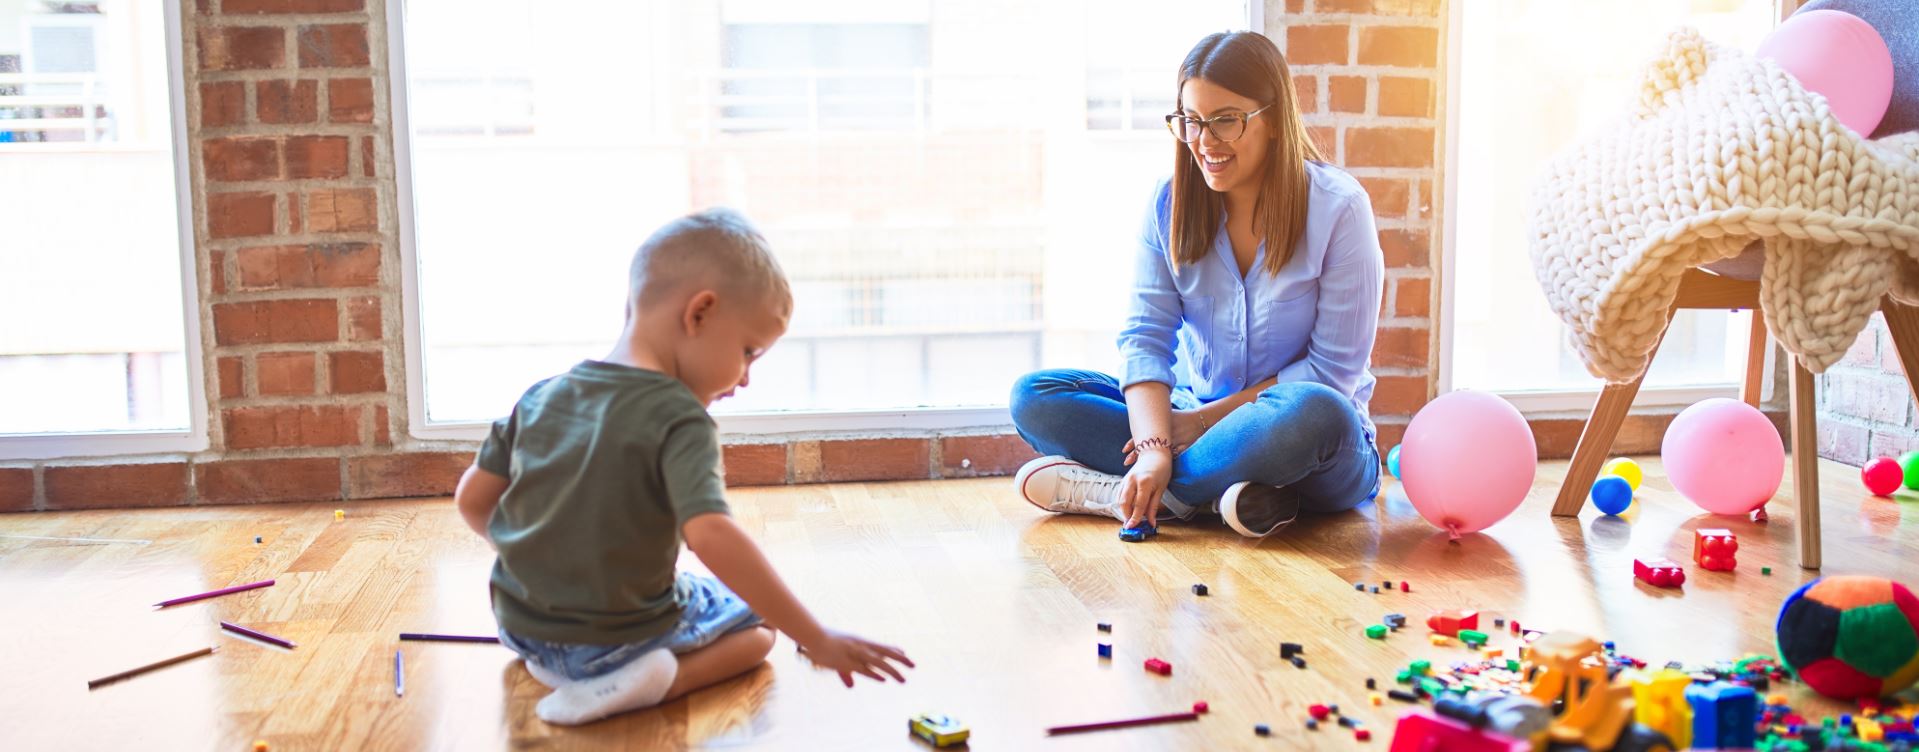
(604, 464)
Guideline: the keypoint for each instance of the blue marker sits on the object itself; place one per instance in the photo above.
(399, 674)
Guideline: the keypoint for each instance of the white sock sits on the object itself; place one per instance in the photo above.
(640, 684)
(544, 675)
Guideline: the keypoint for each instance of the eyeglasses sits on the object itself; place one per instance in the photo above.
(1228, 127)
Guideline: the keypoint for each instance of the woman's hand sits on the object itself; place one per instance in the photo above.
(1144, 484)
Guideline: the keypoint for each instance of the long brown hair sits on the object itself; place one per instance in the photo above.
(1247, 64)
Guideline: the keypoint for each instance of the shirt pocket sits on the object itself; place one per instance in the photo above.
(1289, 322)
(1196, 325)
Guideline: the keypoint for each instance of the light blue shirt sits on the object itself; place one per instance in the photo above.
(1314, 321)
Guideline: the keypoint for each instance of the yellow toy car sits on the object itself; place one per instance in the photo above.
(938, 729)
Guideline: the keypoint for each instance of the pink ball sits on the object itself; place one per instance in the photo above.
(1840, 57)
(1882, 476)
(1724, 455)
(1468, 461)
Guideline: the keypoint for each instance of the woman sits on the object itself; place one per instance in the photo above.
(1260, 266)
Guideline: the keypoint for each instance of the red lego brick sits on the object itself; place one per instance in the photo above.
(1362, 734)
(1663, 573)
(1319, 712)
(1715, 549)
(1449, 623)
(1160, 667)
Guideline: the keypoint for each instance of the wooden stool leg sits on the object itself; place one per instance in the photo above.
(1756, 346)
(1805, 464)
(1902, 321)
(1594, 442)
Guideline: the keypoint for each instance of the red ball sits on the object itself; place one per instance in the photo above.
(1882, 476)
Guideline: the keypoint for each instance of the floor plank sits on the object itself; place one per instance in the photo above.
(995, 600)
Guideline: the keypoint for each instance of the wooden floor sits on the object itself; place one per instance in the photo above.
(996, 601)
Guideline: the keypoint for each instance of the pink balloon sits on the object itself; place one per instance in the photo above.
(1724, 455)
(1839, 56)
(1467, 461)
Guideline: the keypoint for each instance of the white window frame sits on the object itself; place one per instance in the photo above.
(797, 422)
(194, 438)
(1532, 402)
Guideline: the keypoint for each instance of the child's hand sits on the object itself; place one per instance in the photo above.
(851, 655)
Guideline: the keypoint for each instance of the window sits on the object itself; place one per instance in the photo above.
(954, 188)
(1534, 76)
(94, 331)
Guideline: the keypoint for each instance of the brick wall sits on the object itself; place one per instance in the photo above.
(1865, 406)
(298, 257)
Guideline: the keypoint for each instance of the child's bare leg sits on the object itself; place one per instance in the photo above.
(727, 657)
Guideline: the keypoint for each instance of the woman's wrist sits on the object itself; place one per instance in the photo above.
(1153, 444)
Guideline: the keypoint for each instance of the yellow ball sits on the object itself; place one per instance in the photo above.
(339, 514)
(1624, 468)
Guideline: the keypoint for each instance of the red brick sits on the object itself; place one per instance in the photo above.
(317, 156)
(387, 476)
(342, 210)
(283, 102)
(1402, 347)
(1389, 147)
(265, 321)
(291, 426)
(101, 486)
(1876, 397)
(357, 372)
(239, 215)
(233, 380)
(217, 272)
(16, 489)
(382, 432)
(971, 456)
(1865, 348)
(332, 265)
(241, 158)
(1388, 435)
(1295, 6)
(1428, 8)
(363, 319)
(1641, 433)
(1404, 247)
(1405, 97)
(1316, 45)
(349, 100)
(269, 480)
(1398, 395)
(1425, 204)
(240, 7)
(1326, 138)
(1306, 93)
(1390, 197)
(333, 46)
(755, 464)
(242, 47)
(1892, 441)
(223, 103)
(367, 161)
(1346, 93)
(284, 373)
(1843, 442)
(875, 459)
(1404, 46)
(293, 213)
(1413, 297)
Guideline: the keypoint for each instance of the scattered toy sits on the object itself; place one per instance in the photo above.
(1105, 650)
(1199, 589)
(1663, 573)
(938, 729)
(1715, 549)
(1160, 667)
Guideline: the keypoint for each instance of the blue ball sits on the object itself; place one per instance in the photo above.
(1612, 494)
(1392, 462)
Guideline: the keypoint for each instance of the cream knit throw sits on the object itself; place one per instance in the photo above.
(1723, 150)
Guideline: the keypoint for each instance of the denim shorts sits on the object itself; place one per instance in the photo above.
(708, 611)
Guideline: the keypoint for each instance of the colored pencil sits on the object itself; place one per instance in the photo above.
(1147, 721)
(129, 673)
(399, 675)
(213, 594)
(255, 634)
(430, 637)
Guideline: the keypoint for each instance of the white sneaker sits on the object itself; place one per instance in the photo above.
(1058, 484)
(1257, 510)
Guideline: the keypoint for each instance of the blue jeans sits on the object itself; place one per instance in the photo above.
(708, 611)
(1300, 436)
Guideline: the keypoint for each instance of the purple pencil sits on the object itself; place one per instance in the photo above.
(261, 636)
(213, 594)
(430, 637)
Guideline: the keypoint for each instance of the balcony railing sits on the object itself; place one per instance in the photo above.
(51, 106)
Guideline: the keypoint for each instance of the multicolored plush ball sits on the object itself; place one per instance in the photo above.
(1851, 636)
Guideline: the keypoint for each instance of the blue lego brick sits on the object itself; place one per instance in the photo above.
(1724, 715)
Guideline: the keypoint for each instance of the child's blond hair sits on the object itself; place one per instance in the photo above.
(713, 249)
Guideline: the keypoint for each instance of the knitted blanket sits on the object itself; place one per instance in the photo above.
(1723, 150)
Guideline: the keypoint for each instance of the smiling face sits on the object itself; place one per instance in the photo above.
(1226, 166)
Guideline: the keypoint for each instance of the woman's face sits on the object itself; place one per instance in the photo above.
(1226, 165)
